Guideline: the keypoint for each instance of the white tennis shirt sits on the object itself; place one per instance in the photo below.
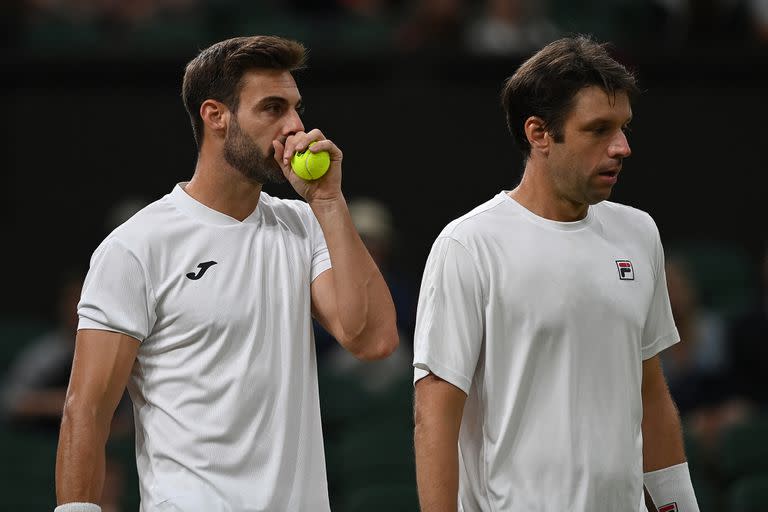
(545, 326)
(224, 387)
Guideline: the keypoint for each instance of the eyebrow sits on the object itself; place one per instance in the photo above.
(604, 120)
(278, 99)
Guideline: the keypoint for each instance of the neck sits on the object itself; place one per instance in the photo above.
(537, 193)
(219, 186)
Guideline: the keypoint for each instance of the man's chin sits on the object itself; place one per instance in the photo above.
(275, 175)
(278, 179)
(264, 176)
(600, 194)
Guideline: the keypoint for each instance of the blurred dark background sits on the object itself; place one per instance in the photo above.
(409, 90)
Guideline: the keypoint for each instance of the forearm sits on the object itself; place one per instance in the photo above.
(662, 433)
(437, 468)
(438, 412)
(80, 460)
(364, 304)
(666, 474)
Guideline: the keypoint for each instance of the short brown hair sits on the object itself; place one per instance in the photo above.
(546, 84)
(216, 73)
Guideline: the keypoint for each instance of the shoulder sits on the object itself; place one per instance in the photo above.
(153, 218)
(481, 222)
(470, 239)
(140, 232)
(623, 211)
(627, 219)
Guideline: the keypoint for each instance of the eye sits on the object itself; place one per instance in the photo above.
(626, 129)
(274, 108)
(300, 109)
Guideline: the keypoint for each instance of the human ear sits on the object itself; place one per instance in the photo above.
(215, 116)
(537, 134)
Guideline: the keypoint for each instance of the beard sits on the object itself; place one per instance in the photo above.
(242, 153)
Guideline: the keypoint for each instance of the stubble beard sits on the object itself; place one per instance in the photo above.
(242, 153)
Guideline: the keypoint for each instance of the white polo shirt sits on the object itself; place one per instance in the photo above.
(545, 326)
(224, 387)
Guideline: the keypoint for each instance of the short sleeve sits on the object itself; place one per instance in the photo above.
(659, 331)
(321, 259)
(449, 320)
(117, 295)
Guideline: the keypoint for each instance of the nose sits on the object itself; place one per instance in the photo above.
(293, 124)
(619, 147)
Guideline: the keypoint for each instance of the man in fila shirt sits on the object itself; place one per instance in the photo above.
(541, 316)
(202, 304)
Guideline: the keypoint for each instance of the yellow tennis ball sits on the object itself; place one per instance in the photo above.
(310, 166)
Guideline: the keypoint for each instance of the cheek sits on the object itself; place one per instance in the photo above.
(588, 157)
(258, 135)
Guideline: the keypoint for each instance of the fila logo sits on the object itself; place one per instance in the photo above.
(626, 274)
(671, 507)
(203, 267)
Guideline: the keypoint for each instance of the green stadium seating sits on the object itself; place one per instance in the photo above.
(749, 494)
(27, 475)
(722, 273)
(383, 498)
(379, 452)
(342, 401)
(744, 449)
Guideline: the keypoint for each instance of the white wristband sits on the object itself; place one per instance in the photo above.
(78, 507)
(671, 489)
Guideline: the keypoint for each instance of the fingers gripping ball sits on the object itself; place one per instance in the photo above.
(310, 166)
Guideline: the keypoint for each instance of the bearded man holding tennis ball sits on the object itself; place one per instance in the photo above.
(310, 165)
(202, 303)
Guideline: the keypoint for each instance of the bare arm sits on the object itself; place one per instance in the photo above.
(438, 410)
(662, 433)
(100, 370)
(352, 300)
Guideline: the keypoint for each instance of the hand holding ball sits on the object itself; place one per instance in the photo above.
(310, 166)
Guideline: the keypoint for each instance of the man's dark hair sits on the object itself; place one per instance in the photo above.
(545, 85)
(216, 73)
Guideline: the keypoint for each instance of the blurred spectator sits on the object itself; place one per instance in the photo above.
(114, 25)
(694, 367)
(509, 27)
(36, 384)
(499, 27)
(432, 25)
(120, 12)
(364, 26)
(374, 223)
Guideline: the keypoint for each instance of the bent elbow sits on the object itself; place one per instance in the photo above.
(81, 414)
(76, 412)
(380, 348)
